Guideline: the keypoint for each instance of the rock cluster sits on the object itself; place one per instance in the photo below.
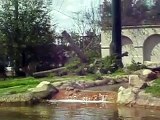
(43, 90)
(87, 84)
(135, 94)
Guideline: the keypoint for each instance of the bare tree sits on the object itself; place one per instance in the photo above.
(74, 47)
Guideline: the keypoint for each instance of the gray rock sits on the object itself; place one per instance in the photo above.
(126, 96)
(101, 82)
(146, 99)
(112, 82)
(64, 86)
(146, 74)
(43, 90)
(57, 84)
(119, 80)
(125, 79)
(19, 98)
(69, 88)
(138, 72)
(152, 64)
(151, 83)
(89, 84)
(135, 81)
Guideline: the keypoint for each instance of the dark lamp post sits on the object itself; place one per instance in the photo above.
(116, 46)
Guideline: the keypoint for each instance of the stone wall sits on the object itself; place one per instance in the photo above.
(142, 43)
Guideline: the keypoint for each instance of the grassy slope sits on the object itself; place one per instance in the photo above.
(19, 85)
(155, 89)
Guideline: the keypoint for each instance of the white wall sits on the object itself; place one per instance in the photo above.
(134, 41)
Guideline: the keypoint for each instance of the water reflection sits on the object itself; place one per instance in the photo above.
(73, 111)
(138, 113)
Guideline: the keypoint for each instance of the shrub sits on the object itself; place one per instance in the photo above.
(155, 89)
(81, 70)
(92, 55)
(91, 69)
(98, 77)
(108, 64)
(120, 71)
(51, 75)
(73, 65)
(62, 72)
(134, 66)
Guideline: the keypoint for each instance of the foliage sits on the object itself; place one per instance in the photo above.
(97, 77)
(15, 89)
(134, 12)
(91, 69)
(51, 75)
(93, 55)
(119, 72)
(87, 20)
(89, 44)
(62, 72)
(23, 23)
(155, 89)
(108, 64)
(73, 65)
(18, 82)
(135, 66)
(19, 85)
(87, 32)
(81, 70)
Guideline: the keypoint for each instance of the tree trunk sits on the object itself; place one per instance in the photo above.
(75, 48)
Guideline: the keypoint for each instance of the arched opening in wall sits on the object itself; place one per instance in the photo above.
(151, 48)
(127, 46)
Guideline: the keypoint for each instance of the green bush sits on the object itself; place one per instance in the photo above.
(81, 70)
(62, 72)
(92, 55)
(51, 75)
(73, 65)
(155, 89)
(134, 66)
(98, 77)
(120, 71)
(91, 69)
(108, 64)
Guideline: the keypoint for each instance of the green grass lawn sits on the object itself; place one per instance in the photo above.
(19, 85)
(118, 73)
(155, 89)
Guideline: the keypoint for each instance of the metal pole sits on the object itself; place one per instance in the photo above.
(116, 31)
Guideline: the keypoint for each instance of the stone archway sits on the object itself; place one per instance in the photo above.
(127, 46)
(151, 48)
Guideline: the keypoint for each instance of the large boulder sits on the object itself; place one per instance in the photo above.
(126, 96)
(101, 82)
(44, 90)
(146, 74)
(19, 98)
(135, 81)
(152, 65)
(146, 99)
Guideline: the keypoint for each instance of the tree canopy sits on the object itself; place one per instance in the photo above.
(134, 12)
(23, 23)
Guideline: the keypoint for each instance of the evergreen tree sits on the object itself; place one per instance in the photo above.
(23, 23)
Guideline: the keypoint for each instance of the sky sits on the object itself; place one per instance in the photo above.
(63, 11)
